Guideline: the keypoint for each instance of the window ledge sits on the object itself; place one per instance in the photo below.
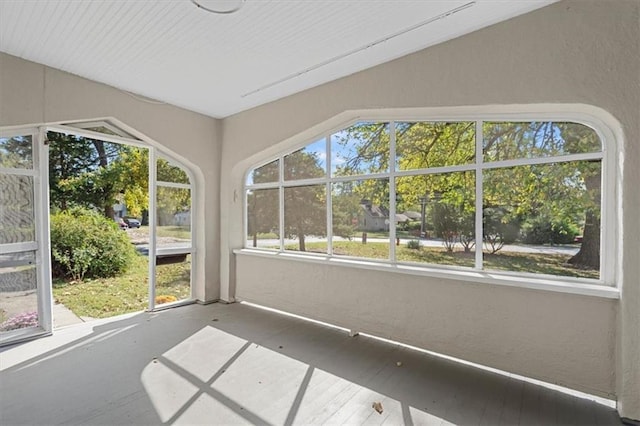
(478, 277)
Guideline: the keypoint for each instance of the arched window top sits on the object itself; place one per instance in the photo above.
(170, 172)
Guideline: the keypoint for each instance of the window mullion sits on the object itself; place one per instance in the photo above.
(392, 191)
(281, 201)
(152, 226)
(542, 160)
(479, 195)
(328, 197)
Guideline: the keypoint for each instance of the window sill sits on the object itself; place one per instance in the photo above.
(478, 277)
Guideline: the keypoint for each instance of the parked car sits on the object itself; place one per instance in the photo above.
(132, 222)
(122, 224)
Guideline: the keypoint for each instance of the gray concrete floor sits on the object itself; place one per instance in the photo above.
(63, 316)
(236, 364)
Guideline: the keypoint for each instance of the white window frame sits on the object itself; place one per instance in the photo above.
(153, 250)
(606, 130)
(40, 246)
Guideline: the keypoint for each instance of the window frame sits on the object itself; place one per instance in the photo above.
(604, 127)
(156, 152)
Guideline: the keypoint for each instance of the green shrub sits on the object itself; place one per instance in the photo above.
(86, 244)
(413, 244)
(542, 230)
(414, 225)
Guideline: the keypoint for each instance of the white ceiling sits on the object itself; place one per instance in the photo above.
(219, 65)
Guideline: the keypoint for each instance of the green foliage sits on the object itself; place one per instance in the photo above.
(86, 244)
(16, 152)
(446, 221)
(365, 148)
(414, 244)
(346, 209)
(96, 175)
(305, 206)
(500, 228)
(542, 230)
(413, 225)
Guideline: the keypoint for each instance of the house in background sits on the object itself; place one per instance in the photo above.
(222, 116)
(376, 218)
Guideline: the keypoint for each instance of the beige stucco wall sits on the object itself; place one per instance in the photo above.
(33, 94)
(555, 337)
(573, 52)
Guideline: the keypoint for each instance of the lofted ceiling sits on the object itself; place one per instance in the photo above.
(221, 64)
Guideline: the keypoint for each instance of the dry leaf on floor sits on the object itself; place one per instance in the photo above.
(378, 407)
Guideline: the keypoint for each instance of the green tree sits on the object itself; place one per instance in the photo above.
(16, 151)
(170, 200)
(304, 206)
(565, 192)
(263, 204)
(346, 200)
(96, 174)
(583, 139)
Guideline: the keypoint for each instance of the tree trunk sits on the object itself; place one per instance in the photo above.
(102, 153)
(301, 239)
(589, 254)
(104, 162)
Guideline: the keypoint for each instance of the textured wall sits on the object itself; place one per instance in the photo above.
(555, 337)
(574, 52)
(35, 94)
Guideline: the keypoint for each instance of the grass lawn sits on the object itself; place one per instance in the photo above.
(552, 264)
(106, 297)
(178, 232)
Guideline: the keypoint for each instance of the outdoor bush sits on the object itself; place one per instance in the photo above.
(500, 228)
(542, 230)
(413, 244)
(413, 225)
(87, 244)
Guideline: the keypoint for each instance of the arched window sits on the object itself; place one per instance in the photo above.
(506, 197)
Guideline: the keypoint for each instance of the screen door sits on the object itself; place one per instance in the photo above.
(25, 287)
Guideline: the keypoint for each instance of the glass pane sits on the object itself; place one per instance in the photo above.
(438, 226)
(434, 144)
(305, 218)
(103, 127)
(18, 298)
(16, 152)
(361, 218)
(264, 174)
(173, 218)
(543, 219)
(306, 163)
(173, 278)
(508, 140)
(16, 209)
(167, 172)
(263, 228)
(360, 149)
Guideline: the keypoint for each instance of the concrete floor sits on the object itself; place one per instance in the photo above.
(235, 364)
